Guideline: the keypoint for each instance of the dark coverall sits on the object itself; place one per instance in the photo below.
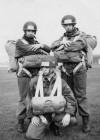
(24, 48)
(78, 81)
(36, 132)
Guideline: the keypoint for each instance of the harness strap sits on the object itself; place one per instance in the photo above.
(57, 86)
(23, 69)
(82, 63)
(39, 87)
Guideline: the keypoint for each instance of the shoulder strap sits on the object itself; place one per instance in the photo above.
(39, 87)
(58, 85)
(24, 41)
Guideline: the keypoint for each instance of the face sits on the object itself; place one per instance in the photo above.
(68, 26)
(46, 70)
(30, 32)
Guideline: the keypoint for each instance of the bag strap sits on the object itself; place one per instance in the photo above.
(39, 87)
(24, 41)
(58, 85)
(59, 90)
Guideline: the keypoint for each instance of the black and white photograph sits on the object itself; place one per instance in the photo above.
(49, 70)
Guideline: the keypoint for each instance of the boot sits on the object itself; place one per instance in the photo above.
(20, 127)
(56, 130)
(86, 126)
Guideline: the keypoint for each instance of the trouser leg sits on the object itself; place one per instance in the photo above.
(23, 85)
(79, 88)
(77, 83)
(80, 80)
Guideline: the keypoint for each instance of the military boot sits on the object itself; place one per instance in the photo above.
(57, 131)
(85, 126)
(20, 127)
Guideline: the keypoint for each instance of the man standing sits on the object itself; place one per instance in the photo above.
(27, 45)
(75, 44)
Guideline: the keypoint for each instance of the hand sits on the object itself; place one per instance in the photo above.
(35, 121)
(60, 48)
(43, 119)
(65, 42)
(66, 120)
(36, 47)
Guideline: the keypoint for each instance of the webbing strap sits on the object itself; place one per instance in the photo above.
(82, 63)
(39, 87)
(57, 86)
(23, 69)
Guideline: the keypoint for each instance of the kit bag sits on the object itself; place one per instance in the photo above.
(34, 61)
(10, 48)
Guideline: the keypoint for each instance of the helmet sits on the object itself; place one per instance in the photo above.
(68, 19)
(30, 23)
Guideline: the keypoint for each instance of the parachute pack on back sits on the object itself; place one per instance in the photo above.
(10, 47)
(91, 44)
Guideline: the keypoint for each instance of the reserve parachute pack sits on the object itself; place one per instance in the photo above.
(91, 43)
(33, 61)
(10, 47)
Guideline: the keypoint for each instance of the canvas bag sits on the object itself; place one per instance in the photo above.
(91, 44)
(10, 48)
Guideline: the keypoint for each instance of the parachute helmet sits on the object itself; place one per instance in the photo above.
(68, 19)
(29, 24)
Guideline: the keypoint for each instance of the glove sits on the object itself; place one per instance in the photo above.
(43, 119)
(36, 47)
(35, 120)
(65, 42)
(60, 48)
(66, 120)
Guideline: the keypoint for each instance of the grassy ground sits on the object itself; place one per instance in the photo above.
(8, 105)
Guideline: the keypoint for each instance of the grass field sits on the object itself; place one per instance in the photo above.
(8, 105)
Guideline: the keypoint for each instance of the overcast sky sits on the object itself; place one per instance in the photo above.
(47, 14)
